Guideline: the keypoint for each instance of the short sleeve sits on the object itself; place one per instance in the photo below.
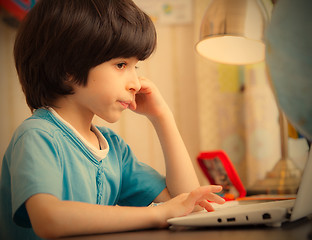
(35, 168)
(141, 184)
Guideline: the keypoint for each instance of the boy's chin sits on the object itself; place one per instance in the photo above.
(111, 120)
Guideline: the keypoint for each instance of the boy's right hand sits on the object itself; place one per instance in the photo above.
(186, 203)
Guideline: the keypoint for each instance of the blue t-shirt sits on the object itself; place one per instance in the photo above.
(45, 156)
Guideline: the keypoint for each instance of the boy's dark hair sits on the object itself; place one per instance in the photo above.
(62, 39)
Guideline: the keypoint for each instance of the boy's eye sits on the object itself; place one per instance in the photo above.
(121, 65)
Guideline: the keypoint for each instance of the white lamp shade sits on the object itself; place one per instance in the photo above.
(232, 50)
(232, 32)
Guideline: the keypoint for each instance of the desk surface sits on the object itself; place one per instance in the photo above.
(301, 230)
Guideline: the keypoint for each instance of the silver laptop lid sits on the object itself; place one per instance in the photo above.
(303, 206)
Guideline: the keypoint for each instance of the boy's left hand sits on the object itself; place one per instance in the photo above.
(148, 100)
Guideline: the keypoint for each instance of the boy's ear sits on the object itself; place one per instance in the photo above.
(70, 80)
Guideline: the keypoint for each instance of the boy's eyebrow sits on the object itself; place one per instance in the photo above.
(97, 9)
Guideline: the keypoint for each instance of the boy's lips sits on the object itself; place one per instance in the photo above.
(125, 104)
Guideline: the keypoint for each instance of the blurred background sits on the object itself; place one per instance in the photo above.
(216, 106)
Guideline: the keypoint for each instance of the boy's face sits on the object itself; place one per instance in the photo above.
(110, 89)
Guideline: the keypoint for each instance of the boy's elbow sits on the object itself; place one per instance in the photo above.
(44, 217)
(47, 226)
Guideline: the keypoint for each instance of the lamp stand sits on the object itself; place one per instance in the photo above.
(285, 177)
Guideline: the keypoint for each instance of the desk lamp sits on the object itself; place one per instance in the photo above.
(233, 32)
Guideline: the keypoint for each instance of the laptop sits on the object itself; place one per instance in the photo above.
(273, 213)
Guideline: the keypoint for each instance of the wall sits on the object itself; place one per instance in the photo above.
(13, 109)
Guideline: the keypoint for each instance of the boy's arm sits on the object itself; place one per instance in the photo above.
(180, 173)
(53, 218)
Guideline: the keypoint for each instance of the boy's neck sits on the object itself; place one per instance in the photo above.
(82, 126)
(79, 119)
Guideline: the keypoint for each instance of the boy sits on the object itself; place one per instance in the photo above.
(63, 176)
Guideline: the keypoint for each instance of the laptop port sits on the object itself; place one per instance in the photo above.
(266, 216)
(231, 219)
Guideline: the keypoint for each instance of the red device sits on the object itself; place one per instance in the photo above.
(219, 170)
(18, 8)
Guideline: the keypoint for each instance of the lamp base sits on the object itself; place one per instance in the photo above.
(284, 178)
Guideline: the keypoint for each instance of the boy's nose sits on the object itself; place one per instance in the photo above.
(134, 83)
